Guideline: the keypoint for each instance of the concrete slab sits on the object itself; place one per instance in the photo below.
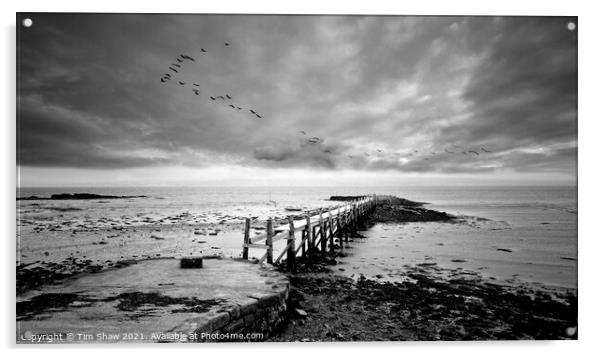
(144, 301)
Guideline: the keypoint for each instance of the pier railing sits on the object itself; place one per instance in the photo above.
(318, 232)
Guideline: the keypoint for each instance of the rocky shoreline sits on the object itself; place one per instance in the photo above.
(328, 307)
(400, 210)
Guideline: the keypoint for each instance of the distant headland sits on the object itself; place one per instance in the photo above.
(76, 196)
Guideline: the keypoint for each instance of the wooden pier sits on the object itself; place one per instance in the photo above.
(318, 232)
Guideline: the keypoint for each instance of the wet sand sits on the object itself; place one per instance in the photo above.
(52, 247)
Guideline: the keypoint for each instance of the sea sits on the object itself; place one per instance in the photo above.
(505, 233)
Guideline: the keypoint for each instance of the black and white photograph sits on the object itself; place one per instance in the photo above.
(244, 178)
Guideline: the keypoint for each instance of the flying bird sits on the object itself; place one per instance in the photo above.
(196, 91)
(212, 98)
(303, 132)
(252, 111)
(179, 60)
(203, 50)
(177, 65)
(473, 152)
(226, 44)
(195, 84)
(222, 97)
(239, 108)
(484, 150)
(163, 79)
(327, 151)
(181, 83)
(173, 69)
(379, 150)
(231, 106)
(187, 57)
(228, 96)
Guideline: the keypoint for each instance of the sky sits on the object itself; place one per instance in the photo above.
(387, 100)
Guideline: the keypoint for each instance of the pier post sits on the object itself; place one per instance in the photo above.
(322, 231)
(330, 232)
(290, 245)
(245, 248)
(313, 237)
(352, 219)
(303, 238)
(339, 227)
(357, 217)
(308, 233)
(346, 223)
(268, 241)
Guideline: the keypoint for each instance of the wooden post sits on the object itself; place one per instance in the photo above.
(322, 233)
(354, 221)
(290, 243)
(245, 248)
(339, 233)
(313, 236)
(330, 233)
(309, 233)
(346, 223)
(303, 238)
(268, 242)
(320, 224)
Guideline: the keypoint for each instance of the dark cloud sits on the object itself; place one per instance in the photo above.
(524, 90)
(90, 96)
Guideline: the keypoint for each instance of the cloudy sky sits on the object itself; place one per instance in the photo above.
(389, 100)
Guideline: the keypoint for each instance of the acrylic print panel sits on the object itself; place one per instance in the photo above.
(206, 178)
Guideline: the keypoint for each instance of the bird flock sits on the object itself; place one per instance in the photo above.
(178, 66)
(183, 60)
(315, 140)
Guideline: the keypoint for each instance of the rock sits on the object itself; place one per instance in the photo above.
(75, 196)
(301, 313)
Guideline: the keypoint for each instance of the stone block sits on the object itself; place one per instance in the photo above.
(191, 263)
(248, 307)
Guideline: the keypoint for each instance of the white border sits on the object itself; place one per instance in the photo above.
(589, 178)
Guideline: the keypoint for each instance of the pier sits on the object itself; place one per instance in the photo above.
(318, 232)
